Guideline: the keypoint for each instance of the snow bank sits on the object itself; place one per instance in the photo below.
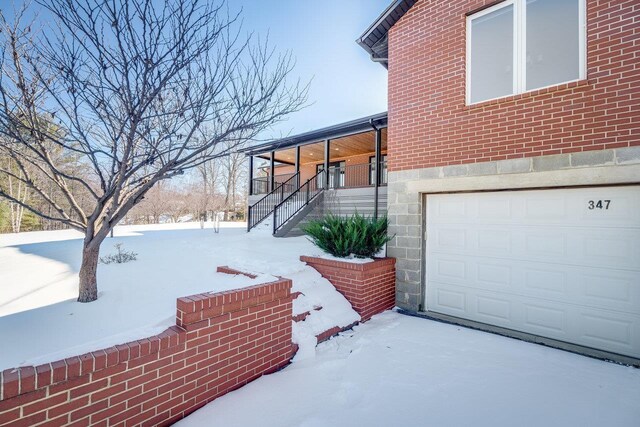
(316, 291)
(40, 320)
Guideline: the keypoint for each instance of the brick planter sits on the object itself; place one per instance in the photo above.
(369, 287)
(220, 342)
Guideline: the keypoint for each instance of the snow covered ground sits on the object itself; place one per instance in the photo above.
(40, 321)
(398, 370)
(392, 370)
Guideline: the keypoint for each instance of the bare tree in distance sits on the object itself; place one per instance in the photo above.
(129, 87)
(205, 190)
(234, 170)
(155, 203)
(16, 189)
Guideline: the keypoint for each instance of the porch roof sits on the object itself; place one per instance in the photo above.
(374, 40)
(332, 132)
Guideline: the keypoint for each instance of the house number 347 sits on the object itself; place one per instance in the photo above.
(599, 204)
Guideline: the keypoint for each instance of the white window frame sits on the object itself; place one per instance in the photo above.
(520, 48)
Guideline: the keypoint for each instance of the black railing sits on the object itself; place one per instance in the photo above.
(262, 185)
(297, 200)
(383, 177)
(264, 207)
(353, 176)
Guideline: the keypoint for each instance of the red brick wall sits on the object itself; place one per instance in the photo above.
(369, 287)
(430, 125)
(221, 342)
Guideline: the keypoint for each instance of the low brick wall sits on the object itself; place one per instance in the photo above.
(220, 342)
(369, 287)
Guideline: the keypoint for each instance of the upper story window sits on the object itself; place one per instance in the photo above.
(522, 45)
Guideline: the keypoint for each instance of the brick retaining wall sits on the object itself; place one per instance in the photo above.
(369, 287)
(220, 342)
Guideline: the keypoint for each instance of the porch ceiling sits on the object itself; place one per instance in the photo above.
(348, 146)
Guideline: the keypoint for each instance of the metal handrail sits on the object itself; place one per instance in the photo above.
(383, 174)
(356, 176)
(262, 185)
(261, 209)
(297, 200)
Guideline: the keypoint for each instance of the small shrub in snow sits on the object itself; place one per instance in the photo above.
(120, 257)
(356, 235)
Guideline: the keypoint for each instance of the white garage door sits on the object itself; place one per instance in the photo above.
(563, 263)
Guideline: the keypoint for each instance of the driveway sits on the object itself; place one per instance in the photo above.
(397, 370)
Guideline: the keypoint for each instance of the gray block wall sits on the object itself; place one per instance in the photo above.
(407, 190)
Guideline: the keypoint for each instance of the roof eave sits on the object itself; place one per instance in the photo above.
(331, 132)
(376, 35)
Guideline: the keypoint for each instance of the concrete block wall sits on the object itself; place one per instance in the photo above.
(408, 189)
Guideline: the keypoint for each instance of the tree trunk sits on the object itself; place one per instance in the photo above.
(88, 272)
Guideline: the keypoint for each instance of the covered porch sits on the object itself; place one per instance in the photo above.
(354, 154)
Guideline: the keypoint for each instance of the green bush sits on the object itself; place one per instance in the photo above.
(356, 235)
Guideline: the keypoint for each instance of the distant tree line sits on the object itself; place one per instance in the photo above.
(216, 189)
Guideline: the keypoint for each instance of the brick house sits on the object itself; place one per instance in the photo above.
(513, 166)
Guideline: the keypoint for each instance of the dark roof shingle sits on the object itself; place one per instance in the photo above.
(374, 39)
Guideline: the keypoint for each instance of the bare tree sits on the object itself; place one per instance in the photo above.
(234, 167)
(205, 189)
(16, 189)
(177, 205)
(155, 204)
(128, 86)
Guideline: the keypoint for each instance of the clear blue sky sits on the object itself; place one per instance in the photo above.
(321, 36)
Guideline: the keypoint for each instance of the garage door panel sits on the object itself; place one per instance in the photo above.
(597, 328)
(542, 319)
(450, 300)
(541, 244)
(494, 307)
(601, 328)
(548, 209)
(580, 246)
(605, 287)
(492, 241)
(619, 206)
(546, 282)
(540, 262)
(493, 275)
(452, 270)
(452, 209)
(576, 285)
(541, 208)
(493, 209)
(617, 249)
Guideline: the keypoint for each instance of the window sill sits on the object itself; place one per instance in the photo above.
(530, 94)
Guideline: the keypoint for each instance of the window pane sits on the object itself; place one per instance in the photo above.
(492, 55)
(552, 42)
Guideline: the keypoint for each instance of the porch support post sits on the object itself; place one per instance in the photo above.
(327, 155)
(272, 178)
(251, 175)
(376, 181)
(298, 165)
